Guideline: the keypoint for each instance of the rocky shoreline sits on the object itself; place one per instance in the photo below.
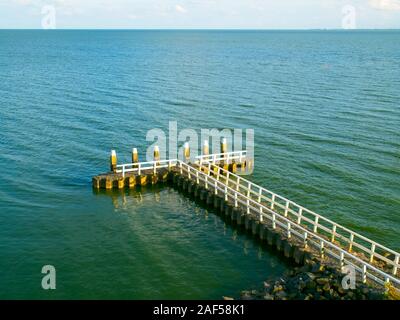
(313, 281)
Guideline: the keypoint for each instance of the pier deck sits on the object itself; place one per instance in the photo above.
(293, 229)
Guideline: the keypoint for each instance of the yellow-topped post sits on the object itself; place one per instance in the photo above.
(186, 152)
(206, 148)
(206, 152)
(224, 149)
(156, 153)
(224, 145)
(135, 156)
(113, 161)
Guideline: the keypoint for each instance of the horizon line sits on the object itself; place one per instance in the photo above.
(207, 29)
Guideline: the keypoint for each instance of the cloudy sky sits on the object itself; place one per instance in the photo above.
(260, 14)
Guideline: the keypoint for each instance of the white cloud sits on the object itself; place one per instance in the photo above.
(180, 9)
(389, 5)
(269, 14)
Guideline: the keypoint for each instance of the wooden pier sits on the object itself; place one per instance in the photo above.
(298, 232)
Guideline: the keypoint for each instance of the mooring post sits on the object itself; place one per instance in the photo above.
(186, 152)
(224, 146)
(135, 156)
(156, 155)
(224, 149)
(206, 148)
(113, 161)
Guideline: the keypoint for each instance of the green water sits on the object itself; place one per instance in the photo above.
(324, 107)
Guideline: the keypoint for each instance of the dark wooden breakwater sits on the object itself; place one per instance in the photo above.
(300, 234)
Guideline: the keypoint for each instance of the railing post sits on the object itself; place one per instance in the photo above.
(286, 208)
(333, 233)
(261, 214)
(197, 177)
(259, 195)
(273, 221)
(236, 200)
(351, 242)
(139, 168)
(238, 184)
(123, 171)
(396, 262)
(371, 258)
(305, 239)
(248, 206)
(206, 182)
(387, 280)
(364, 273)
(341, 259)
(288, 230)
(300, 215)
(226, 193)
(316, 224)
(322, 249)
(272, 201)
(248, 189)
(180, 166)
(215, 187)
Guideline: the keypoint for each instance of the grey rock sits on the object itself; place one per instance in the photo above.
(268, 296)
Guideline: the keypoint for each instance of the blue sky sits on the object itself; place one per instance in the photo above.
(260, 14)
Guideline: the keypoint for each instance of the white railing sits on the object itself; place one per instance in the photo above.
(141, 166)
(227, 157)
(326, 247)
(312, 221)
(331, 238)
(138, 167)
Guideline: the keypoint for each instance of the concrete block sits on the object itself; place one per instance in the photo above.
(298, 255)
(263, 231)
(288, 249)
(141, 180)
(131, 182)
(210, 199)
(271, 237)
(96, 182)
(255, 227)
(247, 221)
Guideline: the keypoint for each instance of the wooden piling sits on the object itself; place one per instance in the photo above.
(113, 161)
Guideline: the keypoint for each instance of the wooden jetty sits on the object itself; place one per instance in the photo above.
(298, 232)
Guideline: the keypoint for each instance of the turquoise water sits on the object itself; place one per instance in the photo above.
(324, 107)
